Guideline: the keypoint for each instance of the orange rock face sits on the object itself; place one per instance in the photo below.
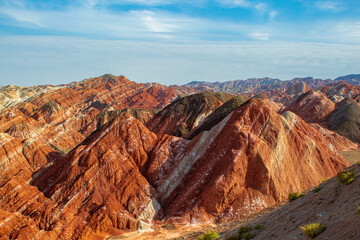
(75, 164)
(76, 105)
(250, 160)
(312, 106)
(99, 185)
(340, 90)
(24, 209)
(337, 141)
(285, 96)
(38, 126)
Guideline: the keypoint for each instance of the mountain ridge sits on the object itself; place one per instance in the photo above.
(97, 158)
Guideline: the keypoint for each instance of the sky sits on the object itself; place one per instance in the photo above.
(175, 42)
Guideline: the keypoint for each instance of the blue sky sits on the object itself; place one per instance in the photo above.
(174, 42)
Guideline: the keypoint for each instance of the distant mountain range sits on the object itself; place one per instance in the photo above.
(351, 79)
(255, 85)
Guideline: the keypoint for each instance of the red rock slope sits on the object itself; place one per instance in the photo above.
(40, 124)
(99, 185)
(312, 106)
(64, 115)
(250, 160)
(338, 91)
(121, 175)
(24, 211)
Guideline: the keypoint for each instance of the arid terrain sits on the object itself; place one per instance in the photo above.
(108, 158)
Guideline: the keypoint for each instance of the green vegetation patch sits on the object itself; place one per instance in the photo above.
(209, 236)
(317, 189)
(223, 97)
(294, 196)
(347, 177)
(313, 229)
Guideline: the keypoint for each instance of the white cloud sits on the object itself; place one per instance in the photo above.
(235, 3)
(140, 2)
(18, 3)
(158, 43)
(141, 24)
(23, 16)
(52, 59)
(326, 5)
(162, 23)
(349, 30)
(147, 2)
(90, 3)
(259, 35)
(91, 18)
(87, 20)
(261, 7)
(329, 5)
(273, 14)
(16, 10)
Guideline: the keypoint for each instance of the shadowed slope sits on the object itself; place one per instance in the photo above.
(184, 114)
(345, 119)
(219, 114)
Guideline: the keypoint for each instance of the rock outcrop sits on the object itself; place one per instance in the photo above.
(338, 91)
(219, 114)
(25, 211)
(338, 142)
(99, 185)
(286, 96)
(312, 106)
(240, 166)
(184, 114)
(11, 95)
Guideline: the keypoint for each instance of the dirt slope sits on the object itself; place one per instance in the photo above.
(334, 206)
